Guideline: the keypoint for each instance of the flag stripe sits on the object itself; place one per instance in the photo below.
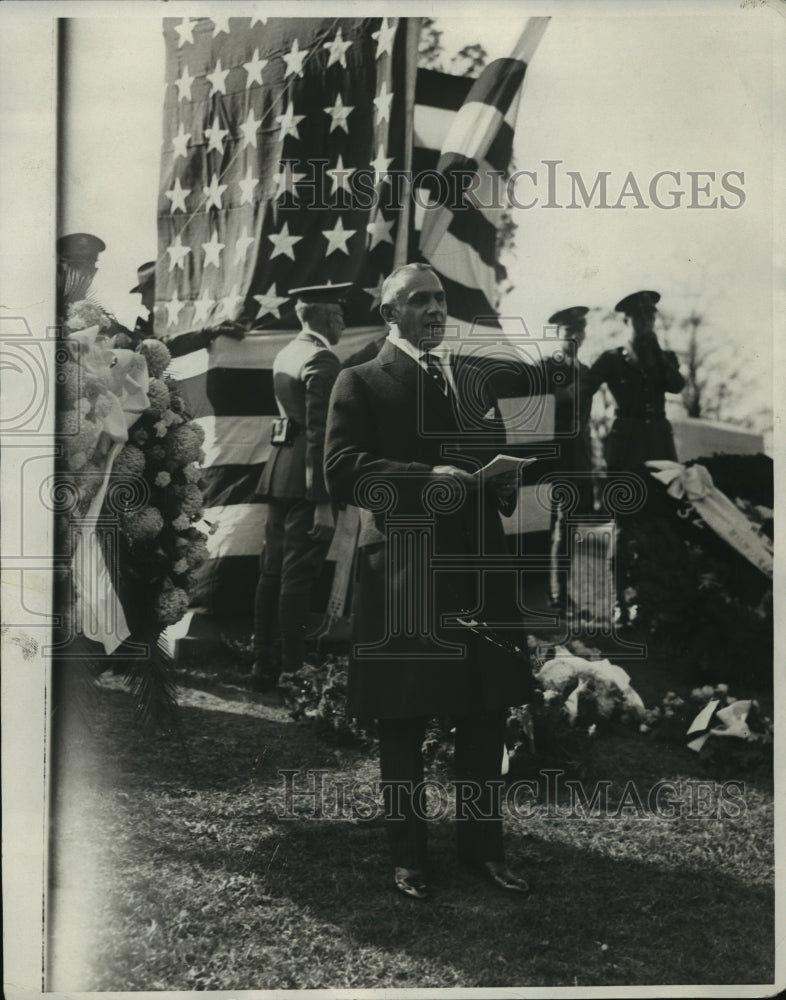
(471, 134)
(441, 90)
(470, 227)
(432, 126)
(480, 135)
(230, 484)
(238, 529)
(497, 85)
(461, 262)
(225, 586)
(474, 304)
(235, 440)
(241, 392)
(488, 194)
(229, 392)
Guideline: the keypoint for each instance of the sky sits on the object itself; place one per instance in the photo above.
(625, 96)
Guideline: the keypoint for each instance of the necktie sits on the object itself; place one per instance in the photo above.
(434, 369)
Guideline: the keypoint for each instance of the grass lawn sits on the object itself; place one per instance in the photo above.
(176, 870)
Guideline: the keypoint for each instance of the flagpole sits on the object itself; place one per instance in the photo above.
(401, 248)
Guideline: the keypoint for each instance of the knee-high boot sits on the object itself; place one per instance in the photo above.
(294, 621)
(267, 665)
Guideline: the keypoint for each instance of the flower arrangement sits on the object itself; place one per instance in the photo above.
(85, 313)
(128, 442)
(691, 592)
(161, 545)
(709, 710)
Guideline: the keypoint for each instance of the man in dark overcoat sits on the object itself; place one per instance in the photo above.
(406, 431)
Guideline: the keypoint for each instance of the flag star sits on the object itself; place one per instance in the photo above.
(228, 305)
(184, 84)
(379, 230)
(384, 37)
(337, 238)
(177, 195)
(339, 114)
(289, 122)
(337, 48)
(220, 24)
(283, 242)
(177, 253)
(286, 179)
(216, 136)
(218, 79)
(247, 185)
(186, 31)
(180, 142)
(381, 165)
(254, 69)
(270, 302)
(203, 307)
(340, 175)
(214, 192)
(173, 309)
(249, 130)
(242, 243)
(261, 20)
(294, 60)
(212, 250)
(375, 293)
(382, 104)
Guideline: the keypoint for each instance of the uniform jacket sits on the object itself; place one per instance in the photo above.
(303, 375)
(387, 426)
(640, 431)
(572, 390)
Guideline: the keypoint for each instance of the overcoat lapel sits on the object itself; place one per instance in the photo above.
(438, 410)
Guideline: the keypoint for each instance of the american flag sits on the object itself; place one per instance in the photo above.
(279, 139)
(459, 235)
(282, 140)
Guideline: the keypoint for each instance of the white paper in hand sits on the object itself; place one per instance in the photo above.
(501, 464)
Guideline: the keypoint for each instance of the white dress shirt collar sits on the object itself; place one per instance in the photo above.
(440, 352)
(319, 336)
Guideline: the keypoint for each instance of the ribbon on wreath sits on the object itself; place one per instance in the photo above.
(695, 485)
(125, 379)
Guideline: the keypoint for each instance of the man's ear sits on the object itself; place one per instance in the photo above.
(389, 312)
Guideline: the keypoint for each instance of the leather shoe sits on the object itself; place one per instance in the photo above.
(499, 873)
(411, 882)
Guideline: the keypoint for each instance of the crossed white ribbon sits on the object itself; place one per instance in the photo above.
(695, 485)
(125, 376)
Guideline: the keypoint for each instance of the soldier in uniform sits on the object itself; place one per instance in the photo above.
(567, 379)
(638, 376)
(299, 522)
(77, 256)
(146, 287)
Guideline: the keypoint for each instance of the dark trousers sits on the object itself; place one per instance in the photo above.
(478, 759)
(290, 563)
